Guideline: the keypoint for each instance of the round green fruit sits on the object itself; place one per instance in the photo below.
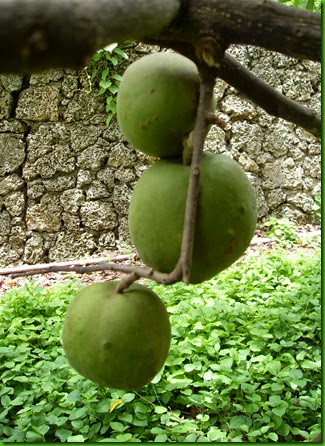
(225, 223)
(157, 103)
(118, 340)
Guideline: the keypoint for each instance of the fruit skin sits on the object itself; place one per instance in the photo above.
(157, 103)
(226, 216)
(116, 340)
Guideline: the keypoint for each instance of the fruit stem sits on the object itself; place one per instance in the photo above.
(198, 137)
(126, 282)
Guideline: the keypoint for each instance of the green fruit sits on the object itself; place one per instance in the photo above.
(118, 340)
(157, 103)
(225, 223)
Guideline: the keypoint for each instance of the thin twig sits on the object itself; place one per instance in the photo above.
(267, 97)
(126, 282)
(50, 267)
(92, 265)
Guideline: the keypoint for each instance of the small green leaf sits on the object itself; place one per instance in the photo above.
(96, 57)
(239, 420)
(279, 411)
(307, 364)
(113, 89)
(116, 426)
(124, 437)
(63, 434)
(78, 413)
(73, 396)
(105, 84)
(160, 409)
(128, 397)
(76, 439)
(120, 52)
(161, 438)
(272, 436)
(104, 405)
(117, 77)
(273, 367)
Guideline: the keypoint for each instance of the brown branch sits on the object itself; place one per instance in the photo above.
(267, 97)
(50, 267)
(263, 23)
(199, 133)
(36, 35)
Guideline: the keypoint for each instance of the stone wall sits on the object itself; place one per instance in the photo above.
(66, 178)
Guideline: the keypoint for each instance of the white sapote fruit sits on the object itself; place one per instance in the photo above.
(118, 340)
(225, 223)
(157, 103)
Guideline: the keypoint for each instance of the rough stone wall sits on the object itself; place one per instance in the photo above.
(66, 178)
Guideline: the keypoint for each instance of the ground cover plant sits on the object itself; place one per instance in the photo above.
(244, 362)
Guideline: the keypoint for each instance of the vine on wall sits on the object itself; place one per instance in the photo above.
(105, 73)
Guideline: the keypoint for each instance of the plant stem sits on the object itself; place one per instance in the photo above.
(199, 133)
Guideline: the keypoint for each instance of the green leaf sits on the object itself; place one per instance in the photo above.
(116, 426)
(104, 405)
(273, 367)
(117, 77)
(73, 396)
(96, 57)
(125, 416)
(272, 436)
(128, 397)
(63, 434)
(109, 118)
(76, 439)
(160, 409)
(113, 89)
(239, 420)
(105, 84)
(33, 436)
(274, 400)
(5, 401)
(279, 411)
(78, 413)
(307, 364)
(284, 429)
(120, 52)
(161, 438)
(114, 60)
(277, 387)
(124, 437)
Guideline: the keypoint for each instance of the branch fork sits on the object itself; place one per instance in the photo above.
(183, 267)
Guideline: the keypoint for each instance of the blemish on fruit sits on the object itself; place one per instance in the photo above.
(107, 345)
(229, 249)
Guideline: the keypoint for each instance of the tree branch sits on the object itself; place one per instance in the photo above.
(262, 94)
(264, 23)
(267, 97)
(199, 133)
(47, 266)
(36, 35)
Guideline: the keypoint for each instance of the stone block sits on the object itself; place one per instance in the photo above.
(40, 103)
(98, 215)
(12, 153)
